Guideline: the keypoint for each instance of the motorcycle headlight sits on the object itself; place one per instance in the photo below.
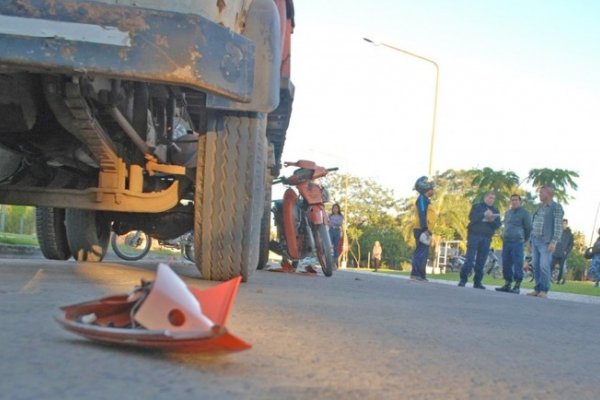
(325, 195)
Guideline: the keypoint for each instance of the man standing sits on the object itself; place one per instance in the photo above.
(563, 248)
(424, 220)
(517, 228)
(546, 233)
(484, 219)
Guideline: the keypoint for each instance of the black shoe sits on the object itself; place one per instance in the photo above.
(462, 283)
(478, 286)
(506, 288)
(516, 290)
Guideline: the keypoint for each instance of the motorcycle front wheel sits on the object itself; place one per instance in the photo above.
(187, 246)
(324, 249)
(132, 246)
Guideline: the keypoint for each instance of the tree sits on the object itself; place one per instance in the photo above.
(367, 206)
(575, 261)
(503, 183)
(560, 179)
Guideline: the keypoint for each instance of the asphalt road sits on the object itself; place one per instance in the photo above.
(352, 336)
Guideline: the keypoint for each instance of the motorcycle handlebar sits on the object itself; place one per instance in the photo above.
(283, 179)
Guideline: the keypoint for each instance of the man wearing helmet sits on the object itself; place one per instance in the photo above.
(424, 221)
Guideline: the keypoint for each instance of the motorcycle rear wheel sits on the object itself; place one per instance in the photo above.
(324, 248)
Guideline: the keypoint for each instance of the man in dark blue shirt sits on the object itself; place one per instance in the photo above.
(484, 219)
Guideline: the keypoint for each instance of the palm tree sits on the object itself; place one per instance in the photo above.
(503, 183)
(560, 179)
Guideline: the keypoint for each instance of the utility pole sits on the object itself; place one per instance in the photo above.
(344, 262)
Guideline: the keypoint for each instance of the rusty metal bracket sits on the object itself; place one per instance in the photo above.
(152, 167)
(104, 199)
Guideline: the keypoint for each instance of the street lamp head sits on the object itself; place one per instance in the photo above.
(369, 41)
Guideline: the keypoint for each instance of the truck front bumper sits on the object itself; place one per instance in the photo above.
(92, 38)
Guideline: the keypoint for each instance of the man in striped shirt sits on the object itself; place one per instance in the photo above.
(546, 233)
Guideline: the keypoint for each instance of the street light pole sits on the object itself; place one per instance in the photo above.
(435, 99)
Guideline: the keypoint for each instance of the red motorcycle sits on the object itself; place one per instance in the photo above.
(301, 220)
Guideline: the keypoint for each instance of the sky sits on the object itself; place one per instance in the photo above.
(519, 88)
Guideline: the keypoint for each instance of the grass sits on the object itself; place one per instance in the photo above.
(575, 287)
(18, 239)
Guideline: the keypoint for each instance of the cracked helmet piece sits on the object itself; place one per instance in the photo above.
(422, 185)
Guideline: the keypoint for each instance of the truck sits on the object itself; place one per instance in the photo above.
(155, 115)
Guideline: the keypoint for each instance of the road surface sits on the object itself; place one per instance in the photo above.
(352, 336)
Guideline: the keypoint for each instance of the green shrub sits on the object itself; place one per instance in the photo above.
(576, 266)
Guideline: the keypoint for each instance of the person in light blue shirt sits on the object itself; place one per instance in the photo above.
(336, 220)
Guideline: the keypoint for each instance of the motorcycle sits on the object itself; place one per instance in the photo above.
(492, 265)
(455, 263)
(131, 246)
(135, 245)
(301, 219)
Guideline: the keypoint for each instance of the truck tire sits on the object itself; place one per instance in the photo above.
(51, 233)
(230, 194)
(88, 234)
(265, 229)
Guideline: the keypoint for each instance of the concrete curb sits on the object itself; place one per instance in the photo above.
(15, 249)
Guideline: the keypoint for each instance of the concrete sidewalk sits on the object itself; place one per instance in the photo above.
(579, 298)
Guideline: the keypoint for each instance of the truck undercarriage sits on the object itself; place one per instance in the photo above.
(121, 117)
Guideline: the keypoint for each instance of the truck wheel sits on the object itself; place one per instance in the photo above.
(51, 233)
(265, 229)
(88, 233)
(230, 195)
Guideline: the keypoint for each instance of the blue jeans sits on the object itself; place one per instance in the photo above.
(419, 258)
(541, 259)
(478, 248)
(512, 261)
(335, 234)
(595, 267)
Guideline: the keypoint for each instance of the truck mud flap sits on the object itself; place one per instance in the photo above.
(87, 37)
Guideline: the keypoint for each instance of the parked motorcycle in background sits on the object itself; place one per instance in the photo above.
(455, 263)
(492, 265)
(301, 219)
(135, 245)
(131, 246)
